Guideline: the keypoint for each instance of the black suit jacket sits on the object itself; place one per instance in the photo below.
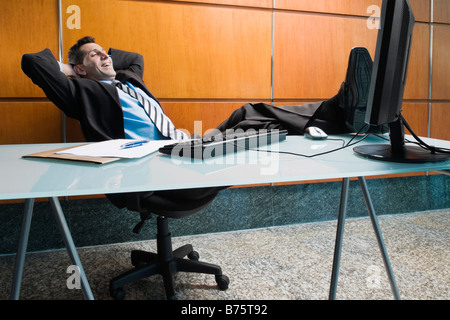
(96, 105)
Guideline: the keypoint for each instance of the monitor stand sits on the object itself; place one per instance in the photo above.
(396, 151)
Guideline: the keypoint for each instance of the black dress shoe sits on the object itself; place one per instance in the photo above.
(355, 90)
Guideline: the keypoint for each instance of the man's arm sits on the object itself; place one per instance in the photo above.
(44, 71)
(124, 60)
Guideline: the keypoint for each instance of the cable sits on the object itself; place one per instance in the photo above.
(349, 144)
(421, 143)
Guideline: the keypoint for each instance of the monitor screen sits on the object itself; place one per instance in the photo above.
(385, 99)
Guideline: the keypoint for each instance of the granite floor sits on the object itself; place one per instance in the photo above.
(277, 263)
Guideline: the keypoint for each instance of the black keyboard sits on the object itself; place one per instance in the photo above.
(222, 144)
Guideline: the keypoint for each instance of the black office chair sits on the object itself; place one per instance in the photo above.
(165, 262)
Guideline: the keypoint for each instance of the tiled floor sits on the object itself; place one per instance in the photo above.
(280, 263)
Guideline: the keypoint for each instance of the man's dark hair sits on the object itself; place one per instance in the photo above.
(75, 55)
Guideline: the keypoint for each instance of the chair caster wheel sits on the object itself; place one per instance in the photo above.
(222, 282)
(117, 294)
(194, 256)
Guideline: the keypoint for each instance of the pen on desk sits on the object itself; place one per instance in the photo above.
(133, 144)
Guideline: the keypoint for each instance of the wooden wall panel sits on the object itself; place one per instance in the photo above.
(198, 117)
(421, 8)
(441, 11)
(348, 7)
(26, 26)
(312, 49)
(29, 122)
(439, 123)
(311, 53)
(191, 51)
(441, 62)
(247, 3)
(416, 114)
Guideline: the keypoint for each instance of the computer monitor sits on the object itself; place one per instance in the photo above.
(384, 104)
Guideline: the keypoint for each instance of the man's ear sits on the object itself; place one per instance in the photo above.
(79, 70)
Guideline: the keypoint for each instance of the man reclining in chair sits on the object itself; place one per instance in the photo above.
(91, 88)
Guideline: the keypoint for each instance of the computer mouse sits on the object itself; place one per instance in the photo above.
(315, 133)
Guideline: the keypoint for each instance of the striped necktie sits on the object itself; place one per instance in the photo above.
(161, 121)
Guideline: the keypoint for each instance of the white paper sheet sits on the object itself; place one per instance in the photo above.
(113, 149)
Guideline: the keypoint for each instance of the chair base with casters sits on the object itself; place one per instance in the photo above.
(166, 262)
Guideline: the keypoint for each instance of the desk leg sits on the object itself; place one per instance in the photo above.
(70, 246)
(22, 249)
(376, 228)
(340, 232)
(339, 235)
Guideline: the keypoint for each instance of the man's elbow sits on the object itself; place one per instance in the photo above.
(26, 62)
(29, 60)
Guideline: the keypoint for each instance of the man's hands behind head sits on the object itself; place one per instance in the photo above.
(67, 69)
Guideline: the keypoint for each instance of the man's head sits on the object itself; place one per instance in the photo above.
(89, 60)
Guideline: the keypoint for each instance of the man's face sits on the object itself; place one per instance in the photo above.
(97, 65)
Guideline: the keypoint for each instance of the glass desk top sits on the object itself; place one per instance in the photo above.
(35, 178)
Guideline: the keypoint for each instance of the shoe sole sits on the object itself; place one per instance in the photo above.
(358, 79)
